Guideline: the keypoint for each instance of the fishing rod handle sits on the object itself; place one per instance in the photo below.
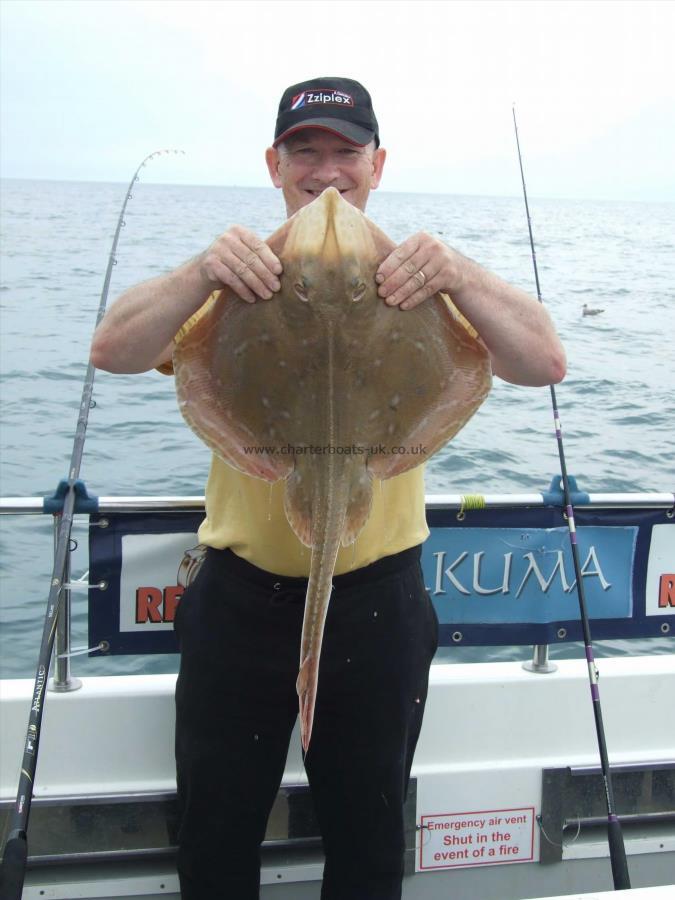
(13, 867)
(617, 855)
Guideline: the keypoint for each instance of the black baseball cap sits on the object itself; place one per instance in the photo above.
(338, 105)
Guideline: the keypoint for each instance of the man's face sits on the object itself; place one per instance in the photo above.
(312, 160)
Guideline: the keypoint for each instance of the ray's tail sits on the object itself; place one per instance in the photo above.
(327, 530)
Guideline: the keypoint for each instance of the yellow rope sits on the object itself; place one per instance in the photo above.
(470, 501)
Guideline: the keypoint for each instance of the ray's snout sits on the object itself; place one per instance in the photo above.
(330, 228)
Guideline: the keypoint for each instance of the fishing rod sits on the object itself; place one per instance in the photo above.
(617, 851)
(13, 869)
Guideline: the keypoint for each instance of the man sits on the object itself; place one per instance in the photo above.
(239, 622)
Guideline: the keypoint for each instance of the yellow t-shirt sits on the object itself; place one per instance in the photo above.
(247, 514)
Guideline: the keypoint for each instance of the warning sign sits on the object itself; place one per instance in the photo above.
(484, 838)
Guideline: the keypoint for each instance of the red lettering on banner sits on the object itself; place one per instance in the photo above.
(666, 591)
(172, 595)
(148, 602)
(156, 606)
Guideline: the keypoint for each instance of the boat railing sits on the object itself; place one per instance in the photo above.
(40, 505)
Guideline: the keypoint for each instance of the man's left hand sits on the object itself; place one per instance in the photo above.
(417, 269)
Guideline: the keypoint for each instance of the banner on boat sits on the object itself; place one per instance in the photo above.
(496, 577)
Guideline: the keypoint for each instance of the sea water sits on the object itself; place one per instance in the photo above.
(617, 403)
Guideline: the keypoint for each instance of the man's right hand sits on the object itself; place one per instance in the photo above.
(240, 260)
(137, 332)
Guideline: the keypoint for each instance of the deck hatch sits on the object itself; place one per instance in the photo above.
(573, 800)
(127, 827)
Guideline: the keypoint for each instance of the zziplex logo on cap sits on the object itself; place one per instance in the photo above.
(338, 105)
(308, 98)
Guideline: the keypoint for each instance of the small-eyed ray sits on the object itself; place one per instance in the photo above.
(327, 363)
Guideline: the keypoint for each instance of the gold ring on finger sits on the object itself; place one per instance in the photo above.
(421, 277)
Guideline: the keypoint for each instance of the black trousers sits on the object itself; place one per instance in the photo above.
(239, 631)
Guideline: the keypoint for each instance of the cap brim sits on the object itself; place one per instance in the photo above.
(355, 134)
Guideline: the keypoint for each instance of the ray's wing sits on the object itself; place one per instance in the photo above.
(225, 367)
(428, 374)
(438, 397)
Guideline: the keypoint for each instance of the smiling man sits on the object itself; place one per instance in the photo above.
(239, 621)
(304, 161)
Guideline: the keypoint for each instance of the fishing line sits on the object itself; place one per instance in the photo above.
(617, 851)
(13, 869)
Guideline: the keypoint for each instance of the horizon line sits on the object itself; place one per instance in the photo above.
(500, 196)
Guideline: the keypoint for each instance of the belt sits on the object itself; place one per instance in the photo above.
(381, 568)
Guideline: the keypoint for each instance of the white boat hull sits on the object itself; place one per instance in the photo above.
(490, 731)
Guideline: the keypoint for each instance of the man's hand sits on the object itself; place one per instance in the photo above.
(137, 332)
(242, 261)
(515, 328)
(417, 269)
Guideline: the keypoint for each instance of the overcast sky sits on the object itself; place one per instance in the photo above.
(88, 88)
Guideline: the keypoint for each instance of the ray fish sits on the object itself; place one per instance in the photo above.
(326, 363)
